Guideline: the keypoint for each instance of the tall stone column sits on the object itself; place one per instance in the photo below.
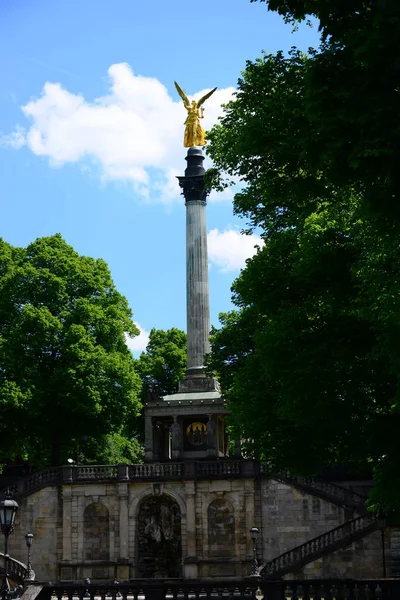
(197, 292)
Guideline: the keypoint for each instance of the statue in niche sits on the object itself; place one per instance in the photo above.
(159, 538)
(221, 528)
(96, 532)
(196, 434)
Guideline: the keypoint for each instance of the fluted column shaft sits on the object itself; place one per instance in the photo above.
(198, 302)
(197, 293)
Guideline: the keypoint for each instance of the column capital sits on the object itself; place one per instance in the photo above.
(194, 189)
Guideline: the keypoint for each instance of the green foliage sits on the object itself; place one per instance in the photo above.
(112, 449)
(164, 362)
(65, 368)
(352, 99)
(309, 361)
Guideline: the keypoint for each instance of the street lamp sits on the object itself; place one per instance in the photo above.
(8, 510)
(29, 540)
(255, 571)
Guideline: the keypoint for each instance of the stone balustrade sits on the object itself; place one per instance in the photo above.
(325, 589)
(224, 468)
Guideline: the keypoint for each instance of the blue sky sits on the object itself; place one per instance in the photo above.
(91, 133)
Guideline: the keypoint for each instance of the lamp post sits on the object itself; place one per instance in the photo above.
(255, 571)
(29, 540)
(8, 510)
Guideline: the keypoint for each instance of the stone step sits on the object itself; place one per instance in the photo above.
(336, 494)
(324, 544)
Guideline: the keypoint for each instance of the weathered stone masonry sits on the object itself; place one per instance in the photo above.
(93, 528)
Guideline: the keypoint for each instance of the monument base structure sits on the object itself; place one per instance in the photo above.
(191, 519)
(187, 512)
(190, 424)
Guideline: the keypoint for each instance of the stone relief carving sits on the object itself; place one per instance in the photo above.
(159, 538)
(96, 532)
(221, 528)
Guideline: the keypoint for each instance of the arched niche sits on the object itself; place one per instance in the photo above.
(96, 532)
(159, 538)
(221, 528)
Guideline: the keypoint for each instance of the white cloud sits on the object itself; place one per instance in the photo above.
(138, 343)
(229, 249)
(133, 134)
(16, 139)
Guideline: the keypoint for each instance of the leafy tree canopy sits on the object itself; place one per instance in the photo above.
(164, 363)
(309, 360)
(352, 96)
(65, 369)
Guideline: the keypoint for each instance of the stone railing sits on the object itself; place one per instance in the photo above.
(17, 571)
(230, 468)
(40, 479)
(224, 468)
(95, 473)
(328, 542)
(326, 490)
(31, 483)
(325, 589)
(155, 470)
(208, 469)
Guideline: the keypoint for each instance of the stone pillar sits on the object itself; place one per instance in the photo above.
(197, 294)
(176, 439)
(67, 522)
(123, 521)
(212, 440)
(191, 570)
(148, 438)
(249, 493)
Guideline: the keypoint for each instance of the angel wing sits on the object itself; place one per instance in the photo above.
(182, 95)
(205, 97)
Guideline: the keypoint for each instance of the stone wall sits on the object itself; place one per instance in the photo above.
(361, 560)
(291, 517)
(105, 530)
(40, 514)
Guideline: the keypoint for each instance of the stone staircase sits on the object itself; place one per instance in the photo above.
(340, 496)
(17, 571)
(328, 542)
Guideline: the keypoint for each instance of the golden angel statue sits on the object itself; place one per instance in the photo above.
(194, 133)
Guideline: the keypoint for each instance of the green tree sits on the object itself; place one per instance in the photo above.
(65, 369)
(163, 364)
(352, 96)
(308, 361)
(112, 449)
